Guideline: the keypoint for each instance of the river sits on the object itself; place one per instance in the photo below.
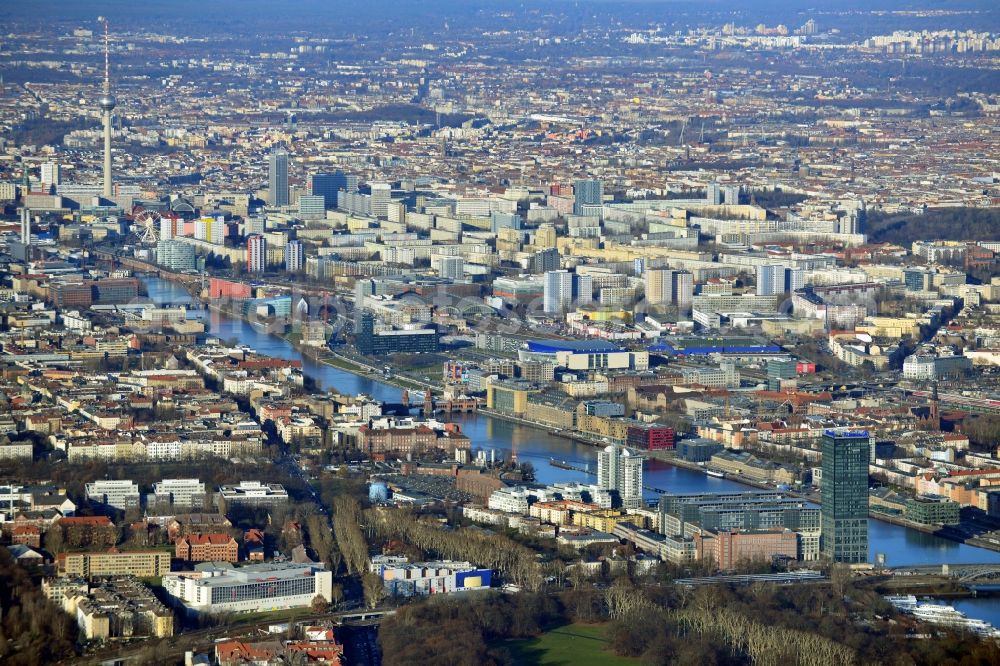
(901, 546)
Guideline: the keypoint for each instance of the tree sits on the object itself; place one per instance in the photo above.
(336, 594)
(577, 576)
(347, 532)
(625, 600)
(54, 539)
(33, 630)
(510, 559)
(319, 604)
(373, 588)
(321, 538)
(840, 578)
(557, 571)
(336, 558)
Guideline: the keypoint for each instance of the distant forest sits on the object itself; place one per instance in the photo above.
(980, 224)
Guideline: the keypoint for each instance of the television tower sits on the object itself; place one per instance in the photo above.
(107, 103)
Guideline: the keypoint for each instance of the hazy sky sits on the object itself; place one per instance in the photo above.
(334, 16)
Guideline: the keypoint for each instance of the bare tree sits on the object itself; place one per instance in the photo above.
(373, 588)
(624, 599)
(840, 578)
(53, 540)
(336, 594)
(347, 531)
(577, 575)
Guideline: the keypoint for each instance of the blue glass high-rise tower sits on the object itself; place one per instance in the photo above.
(844, 515)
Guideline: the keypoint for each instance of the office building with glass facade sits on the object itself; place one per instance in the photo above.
(379, 343)
(175, 255)
(844, 515)
(277, 177)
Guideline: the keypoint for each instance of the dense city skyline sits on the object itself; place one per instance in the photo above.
(633, 331)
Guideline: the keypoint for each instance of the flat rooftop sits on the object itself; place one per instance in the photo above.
(257, 573)
(575, 346)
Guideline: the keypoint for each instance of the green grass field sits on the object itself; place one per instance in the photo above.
(569, 645)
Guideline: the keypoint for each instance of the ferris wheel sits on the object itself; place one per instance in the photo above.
(146, 226)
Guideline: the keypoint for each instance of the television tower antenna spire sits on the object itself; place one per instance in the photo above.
(107, 59)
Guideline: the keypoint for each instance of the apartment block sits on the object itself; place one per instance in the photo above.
(139, 563)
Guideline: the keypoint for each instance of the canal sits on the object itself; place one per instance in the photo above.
(900, 546)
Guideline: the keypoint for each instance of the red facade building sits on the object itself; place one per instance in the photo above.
(219, 288)
(207, 548)
(650, 437)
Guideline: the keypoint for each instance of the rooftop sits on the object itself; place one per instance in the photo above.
(574, 346)
(257, 573)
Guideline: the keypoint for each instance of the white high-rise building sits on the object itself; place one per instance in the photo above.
(25, 227)
(50, 174)
(166, 228)
(256, 254)
(620, 470)
(211, 229)
(312, 207)
(557, 294)
(668, 287)
(294, 256)
(562, 290)
(119, 494)
(449, 267)
(381, 198)
(731, 195)
(713, 194)
(775, 279)
(178, 492)
(630, 487)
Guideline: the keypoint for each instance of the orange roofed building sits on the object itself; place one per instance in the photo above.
(238, 653)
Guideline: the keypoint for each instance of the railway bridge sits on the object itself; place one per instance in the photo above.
(964, 573)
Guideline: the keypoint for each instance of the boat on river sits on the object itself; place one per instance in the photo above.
(942, 615)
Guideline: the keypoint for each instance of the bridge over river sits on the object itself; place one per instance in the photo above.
(964, 573)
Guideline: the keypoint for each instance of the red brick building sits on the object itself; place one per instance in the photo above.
(729, 548)
(207, 548)
(417, 439)
(88, 531)
(28, 535)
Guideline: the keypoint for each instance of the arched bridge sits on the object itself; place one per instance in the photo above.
(965, 573)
